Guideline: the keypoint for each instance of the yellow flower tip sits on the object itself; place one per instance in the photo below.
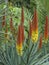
(34, 36)
(45, 40)
(19, 49)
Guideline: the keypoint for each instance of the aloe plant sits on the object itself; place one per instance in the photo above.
(21, 42)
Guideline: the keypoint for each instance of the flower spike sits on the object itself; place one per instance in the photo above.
(20, 39)
(35, 27)
(22, 15)
(46, 30)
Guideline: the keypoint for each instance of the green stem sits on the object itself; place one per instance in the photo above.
(23, 60)
(29, 54)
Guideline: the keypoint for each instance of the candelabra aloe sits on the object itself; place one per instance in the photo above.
(24, 51)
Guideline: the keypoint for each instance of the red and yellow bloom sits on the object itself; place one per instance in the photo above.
(20, 39)
(34, 35)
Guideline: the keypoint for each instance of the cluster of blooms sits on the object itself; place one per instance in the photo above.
(33, 31)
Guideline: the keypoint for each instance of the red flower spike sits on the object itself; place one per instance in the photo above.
(35, 27)
(3, 22)
(20, 39)
(35, 20)
(30, 29)
(20, 35)
(22, 15)
(46, 29)
(40, 43)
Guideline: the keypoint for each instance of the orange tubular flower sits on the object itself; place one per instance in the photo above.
(46, 30)
(20, 40)
(35, 26)
(22, 16)
(40, 43)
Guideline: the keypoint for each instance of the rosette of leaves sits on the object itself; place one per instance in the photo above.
(31, 54)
